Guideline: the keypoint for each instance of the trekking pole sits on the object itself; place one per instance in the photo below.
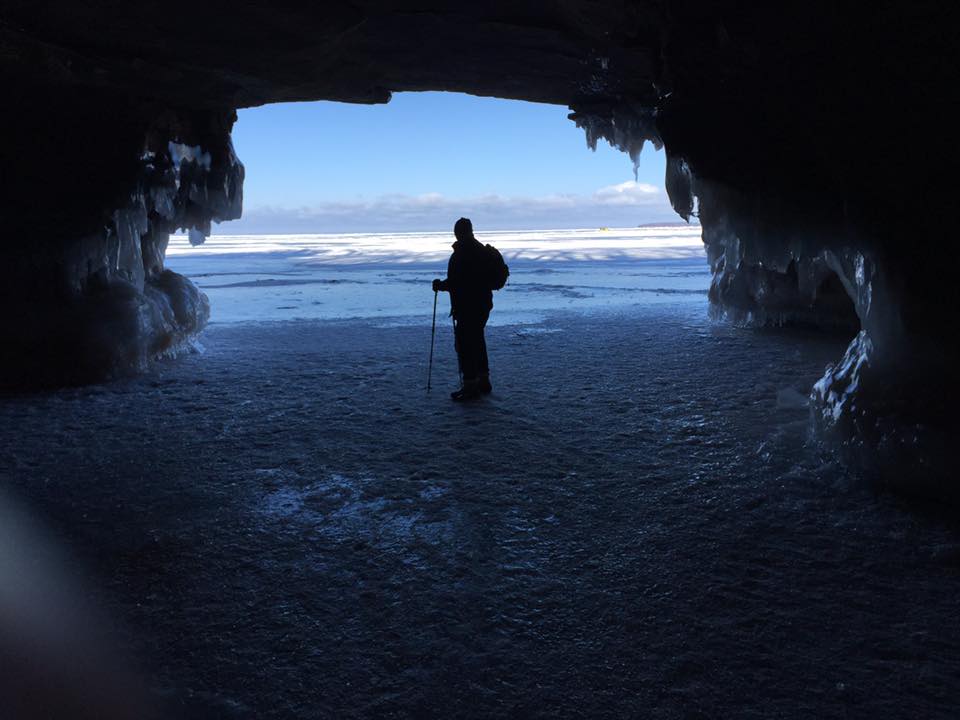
(433, 333)
(456, 345)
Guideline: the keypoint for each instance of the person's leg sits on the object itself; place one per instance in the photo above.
(467, 347)
(458, 344)
(483, 370)
(469, 336)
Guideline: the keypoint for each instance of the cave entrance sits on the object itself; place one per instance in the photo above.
(825, 306)
(833, 307)
(340, 199)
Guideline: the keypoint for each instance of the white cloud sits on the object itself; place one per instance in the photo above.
(623, 205)
(630, 192)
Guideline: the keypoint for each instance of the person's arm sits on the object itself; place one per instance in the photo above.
(444, 285)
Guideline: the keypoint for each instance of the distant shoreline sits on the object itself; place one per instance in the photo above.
(590, 228)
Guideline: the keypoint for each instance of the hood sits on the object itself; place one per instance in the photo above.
(464, 245)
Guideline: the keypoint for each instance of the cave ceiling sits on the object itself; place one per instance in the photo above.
(246, 54)
(741, 90)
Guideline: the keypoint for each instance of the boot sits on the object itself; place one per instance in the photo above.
(485, 387)
(469, 391)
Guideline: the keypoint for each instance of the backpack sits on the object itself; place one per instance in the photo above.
(497, 270)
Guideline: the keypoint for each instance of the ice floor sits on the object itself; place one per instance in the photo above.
(635, 524)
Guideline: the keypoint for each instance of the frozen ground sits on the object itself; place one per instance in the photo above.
(635, 524)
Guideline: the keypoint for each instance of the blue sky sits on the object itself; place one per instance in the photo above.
(424, 159)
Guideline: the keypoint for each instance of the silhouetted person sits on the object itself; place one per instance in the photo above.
(474, 271)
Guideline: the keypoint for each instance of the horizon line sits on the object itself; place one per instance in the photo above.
(602, 228)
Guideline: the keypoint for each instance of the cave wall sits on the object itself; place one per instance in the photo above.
(827, 134)
(809, 138)
(98, 184)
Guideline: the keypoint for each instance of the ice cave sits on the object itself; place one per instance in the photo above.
(732, 517)
(790, 130)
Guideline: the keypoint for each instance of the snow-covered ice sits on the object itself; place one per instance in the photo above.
(326, 277)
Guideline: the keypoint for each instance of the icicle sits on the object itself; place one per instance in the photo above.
(679, 185)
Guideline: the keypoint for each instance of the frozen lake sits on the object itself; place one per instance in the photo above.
(335, 277)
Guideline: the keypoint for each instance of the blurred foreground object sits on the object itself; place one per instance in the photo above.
(55, 657)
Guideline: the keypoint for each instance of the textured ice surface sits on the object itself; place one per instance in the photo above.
(632, 526)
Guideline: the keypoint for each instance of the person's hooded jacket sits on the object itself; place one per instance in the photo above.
(467, 280)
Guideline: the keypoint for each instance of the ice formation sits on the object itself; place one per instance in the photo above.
(627, 128)
(115, 305)
(156, 311)
(771, 267)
